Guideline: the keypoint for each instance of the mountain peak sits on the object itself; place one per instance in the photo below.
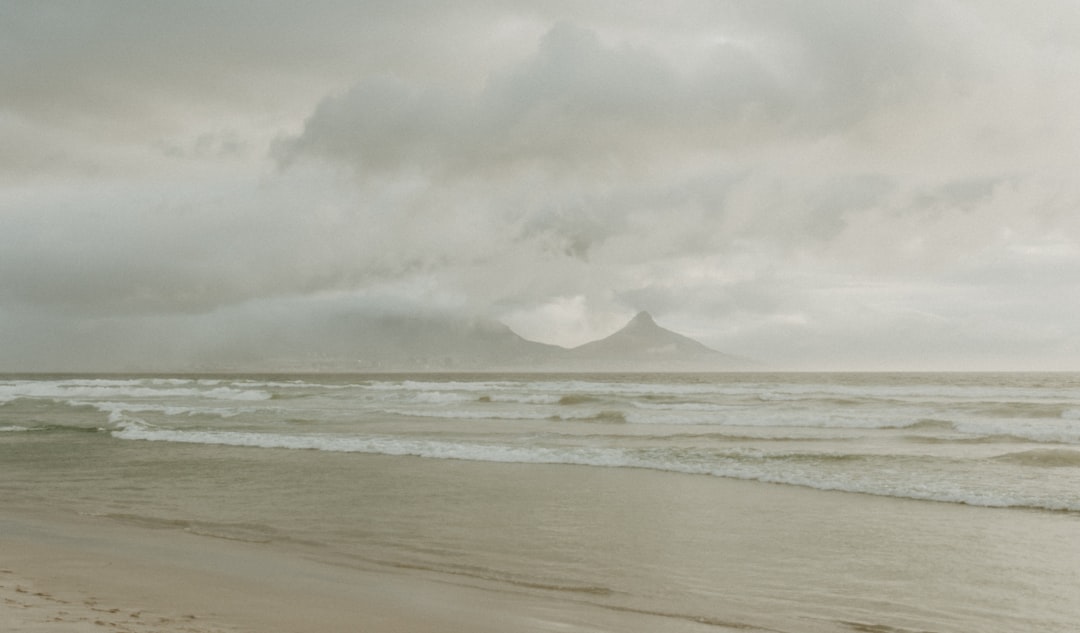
(642, 318)
(643, 340)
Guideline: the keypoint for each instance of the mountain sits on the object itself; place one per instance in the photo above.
(393, 343)
(377, 343)
(642, 345)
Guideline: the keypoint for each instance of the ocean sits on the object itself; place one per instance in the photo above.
(880, 502)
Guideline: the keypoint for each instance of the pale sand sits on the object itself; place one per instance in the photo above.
(77, 574)
(26, 607)
(83, 574)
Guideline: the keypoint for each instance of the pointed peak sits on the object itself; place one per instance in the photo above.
(641, 323)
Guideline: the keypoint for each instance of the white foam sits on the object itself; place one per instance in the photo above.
(802, 469)
(886, 416)
(228, 393)
(1045, 457)
(523, 398)
(471, 414)
(761, 417)
(171, 410)
(70, 389)
(509, 414)
(1057, 431)
(442, 397)
(449, 385)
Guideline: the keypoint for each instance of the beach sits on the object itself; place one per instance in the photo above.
(71, 572)
(76, 574)
(797, 504)
(915, 565)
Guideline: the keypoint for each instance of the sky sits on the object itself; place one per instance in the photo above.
(817, 185)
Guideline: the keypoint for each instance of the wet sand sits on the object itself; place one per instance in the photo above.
(27, 607)
(78, 574)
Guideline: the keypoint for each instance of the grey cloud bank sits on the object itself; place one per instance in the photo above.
(834, 185)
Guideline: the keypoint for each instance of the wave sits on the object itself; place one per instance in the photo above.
(574, 399)
(741, 437)
(599, 388)
(823, 471)
(927, 425)
(658, 417)
(523, 398)
(441, 397)
(470, 414)
(831, 400)
(700, 407)
(117, 408)
(74, 389)
(1021, 410)
(1044, 457)
(758, 418)
(50, 428)
(707, 415)
(1043, 431)
(973, 439)
(767, 389)
(509, 415)
(448, 385)
(457, 397)
(602, 416)
(182, 381)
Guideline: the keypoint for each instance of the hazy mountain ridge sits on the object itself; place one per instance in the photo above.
(428, 343)
(642, 340)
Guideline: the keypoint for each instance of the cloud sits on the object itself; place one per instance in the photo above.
(577, 106)
(781, 178)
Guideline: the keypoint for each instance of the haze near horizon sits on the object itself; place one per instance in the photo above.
(815, 185)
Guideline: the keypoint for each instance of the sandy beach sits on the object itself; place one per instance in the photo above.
(54, 579)
(76, 574)
(29, 608)
(80, 574)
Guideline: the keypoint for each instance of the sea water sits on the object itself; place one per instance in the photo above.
(954, 503)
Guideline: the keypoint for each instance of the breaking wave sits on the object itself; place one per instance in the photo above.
(1045, 458)
(116, 389)
(823, 471)
(973, 440)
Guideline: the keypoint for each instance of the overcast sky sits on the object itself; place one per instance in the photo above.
(836, 185)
